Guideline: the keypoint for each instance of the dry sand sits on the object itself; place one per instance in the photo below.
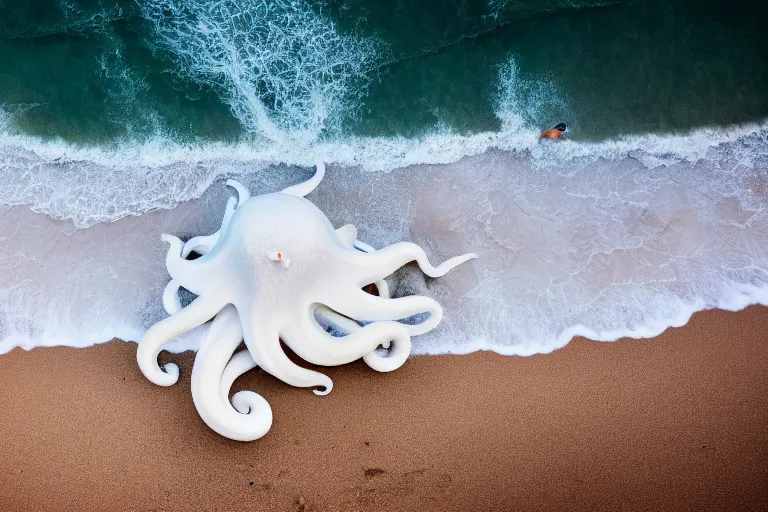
(673, 423)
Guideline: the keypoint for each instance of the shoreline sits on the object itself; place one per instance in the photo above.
(674, 422)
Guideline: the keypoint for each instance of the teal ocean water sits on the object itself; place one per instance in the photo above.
(119, 119)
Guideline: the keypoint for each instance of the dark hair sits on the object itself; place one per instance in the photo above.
(560, 127)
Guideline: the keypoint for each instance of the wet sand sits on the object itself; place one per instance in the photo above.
(678, 422)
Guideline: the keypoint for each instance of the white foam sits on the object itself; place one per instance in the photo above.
(284, 70)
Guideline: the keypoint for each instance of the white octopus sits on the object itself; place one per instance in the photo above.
(275, 266)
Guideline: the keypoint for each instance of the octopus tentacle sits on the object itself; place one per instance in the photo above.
(171, 299)
(240, 363)
(357, 244)
(253, 418)
(196, 314)
(205, 243)
(191, 274)
(243, 194)
(381, 263)
(302, 189)
(200, 244)
(310, 342)
(266, 350)
(348, 236)
(366, 307)
(394, 359)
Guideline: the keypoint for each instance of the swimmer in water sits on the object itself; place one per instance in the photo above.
(555, 133)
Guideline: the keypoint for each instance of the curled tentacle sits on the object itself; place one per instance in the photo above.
(347, 234)
(196, 314)
(187, 273)
(366, 307)
(171, 300)
(396, 356)
(310, 342)
(302, 189)
(339, 322)
(243, 194)
(253, 416)
(381, 263)
(240, 363)
(264, 345)
(394, 359)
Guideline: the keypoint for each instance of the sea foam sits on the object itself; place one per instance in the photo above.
(284, 69)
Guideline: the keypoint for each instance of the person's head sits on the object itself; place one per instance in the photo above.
(560, 127)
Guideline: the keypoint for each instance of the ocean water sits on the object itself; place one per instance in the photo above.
(120, 120)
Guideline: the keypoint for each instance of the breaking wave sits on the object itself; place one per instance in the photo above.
(283, 69)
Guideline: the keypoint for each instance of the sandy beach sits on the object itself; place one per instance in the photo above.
(679, 422)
